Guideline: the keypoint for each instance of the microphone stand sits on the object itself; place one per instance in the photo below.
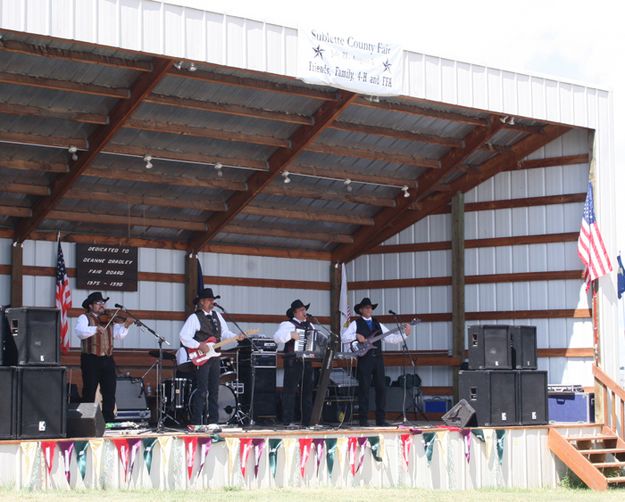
(418, 408)
(159, 366)
(241, 416)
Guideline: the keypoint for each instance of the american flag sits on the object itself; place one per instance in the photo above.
(63, 297)
(590, 247)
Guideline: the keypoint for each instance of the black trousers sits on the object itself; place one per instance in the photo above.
(207, 380)
(99, 370)
(297, 373)
(371, 367)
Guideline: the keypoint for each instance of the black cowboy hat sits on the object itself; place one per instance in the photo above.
(92, 298)
(205, 293)
(294, 306)
(366, 302)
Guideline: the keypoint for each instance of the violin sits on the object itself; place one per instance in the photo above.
(109, 316)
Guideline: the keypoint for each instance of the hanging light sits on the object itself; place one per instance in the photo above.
(405, 190)
(218, 167)
(192, 67)
(148, 161)
(348, 184)
(285, 175)
(74, 151)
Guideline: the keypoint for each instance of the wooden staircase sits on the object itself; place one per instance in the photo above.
(597, 457)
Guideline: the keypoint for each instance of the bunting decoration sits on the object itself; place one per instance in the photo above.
(377, 447)
(66, 447)
(289, 451)
(233, 445)
(148, 449)
(205, 444)
(501, 436)
(96, 445)
(48, 448)
(165, 443)
(29, 450)
(274, 446)
(466, 436)
(442, 437)
(331, 444)
(305, 445)
(428, 444)
(318, 444)
(406, 443)
(341, 448)
(123, 450)
(245, 444)
(356, 445)
(190, 445)
(134, 444)
(80, 448)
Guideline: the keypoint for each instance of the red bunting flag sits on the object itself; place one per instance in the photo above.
(48, 448)
(245, 445)
(356, 448)
(305, 445)
(406, 443)
(259, 446)
(66, 447)
(123, 450)
(205, 445)
(190, 445)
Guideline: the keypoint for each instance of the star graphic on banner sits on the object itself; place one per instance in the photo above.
(318, 51)
(387, 66)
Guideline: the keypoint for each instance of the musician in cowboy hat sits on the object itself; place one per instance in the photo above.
(297, 370)
(205, 326)
(370, 365)
(96, 355)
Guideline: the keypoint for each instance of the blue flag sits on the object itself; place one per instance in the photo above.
(620, 277)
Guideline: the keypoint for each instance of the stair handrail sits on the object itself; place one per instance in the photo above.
(610, 391)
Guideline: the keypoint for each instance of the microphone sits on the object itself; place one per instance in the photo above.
(215, 304)
(392, 313)
(118, 306)
(309, 315)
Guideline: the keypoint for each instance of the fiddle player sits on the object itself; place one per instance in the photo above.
(202, 327)
(298, 371)
(371, 364)
(96, 333)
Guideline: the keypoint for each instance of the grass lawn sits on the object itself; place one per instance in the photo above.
(320, 495)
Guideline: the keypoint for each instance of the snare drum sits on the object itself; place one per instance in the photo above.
(176, 393)
(227, 402)
(227, 372)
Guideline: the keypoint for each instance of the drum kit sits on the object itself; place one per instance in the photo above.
(177, 394)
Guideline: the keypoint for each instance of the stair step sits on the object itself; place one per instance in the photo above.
(598, 437)
(616, 480)
(607, 465)
(597, 451)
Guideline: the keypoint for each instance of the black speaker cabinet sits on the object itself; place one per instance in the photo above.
(8, 409)
(130, 399)
(523, 339)
(532, 398)
(36, 334)
(41, 402)
(264, 389)
(490, 347)
(492, 394)
(8, 350)
(85, 420)
(460, 415)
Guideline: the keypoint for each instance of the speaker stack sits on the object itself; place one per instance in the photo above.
(257, 376)
(31, 380)
(502, 384)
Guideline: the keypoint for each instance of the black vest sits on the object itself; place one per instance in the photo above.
(362, 328)
(209, 326)
(290, 345)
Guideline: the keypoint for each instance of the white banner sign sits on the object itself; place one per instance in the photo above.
(364, 65)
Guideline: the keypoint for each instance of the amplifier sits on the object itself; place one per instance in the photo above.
(258, 344)
(264, 359)
(130, 400)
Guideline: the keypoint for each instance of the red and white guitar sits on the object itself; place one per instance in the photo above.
(197, 357)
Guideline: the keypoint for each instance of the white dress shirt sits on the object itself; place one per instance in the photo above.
(283, 335)
(349, 335)
(84, 331)
(192, 326)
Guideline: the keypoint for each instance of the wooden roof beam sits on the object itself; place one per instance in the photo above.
(54, 113)
(265, 231)
(339, 172)
(344, 151)
(97, 141)
(320, 194)
(367, 238)
(281, 159)
(286, 212)
(53, 84)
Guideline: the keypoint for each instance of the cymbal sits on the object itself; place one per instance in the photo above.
(167, 355)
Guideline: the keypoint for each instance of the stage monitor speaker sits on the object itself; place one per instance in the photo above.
(264, 390)
(460, 415)
(532, 398)
(492, 394)
(35, 331)
(523, 340)
(490, 347)
(41, 402)
(85, 420)
(8, 350)
(8, 410)
(130, 399)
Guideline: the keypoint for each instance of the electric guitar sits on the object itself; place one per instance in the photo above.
(360, 348)
(199, 358)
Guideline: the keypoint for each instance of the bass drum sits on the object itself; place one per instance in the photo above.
(227, 404)
(227, 373)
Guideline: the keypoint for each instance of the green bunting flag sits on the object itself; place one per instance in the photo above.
(274, 446)
(374, 442)
(501, 435)
(148, 448)
(80, 448)
(479, 434)
(330, 454)
(428, 444)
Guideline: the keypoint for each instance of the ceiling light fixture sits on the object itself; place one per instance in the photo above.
(285, 175)
(348, 184)
(218, 167)
(178, 65)
(74, 151)
(192, 67)
(148, 161)
(405, 190)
